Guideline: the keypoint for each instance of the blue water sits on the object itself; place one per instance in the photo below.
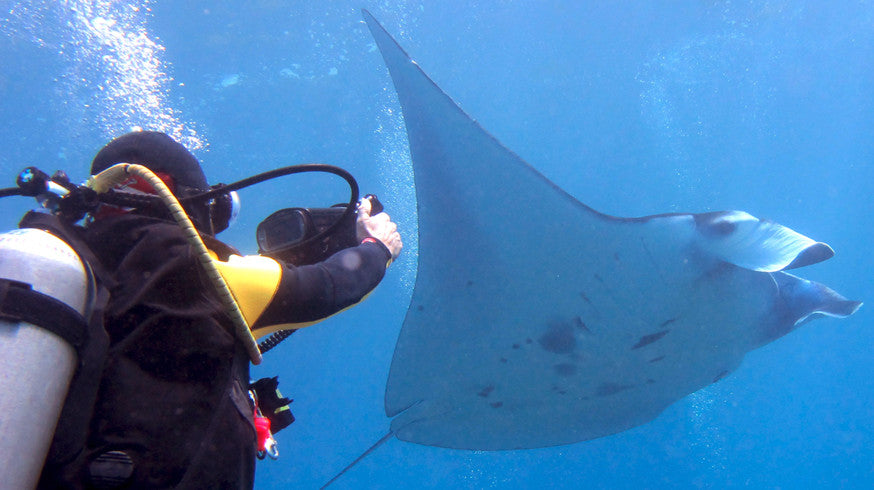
(639, 108)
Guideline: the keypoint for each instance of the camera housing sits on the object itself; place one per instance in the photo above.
(298, 235)
(288, 234)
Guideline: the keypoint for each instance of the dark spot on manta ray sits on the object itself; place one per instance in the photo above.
(469, 283)
(516, 346)
(667, 322)
(497, 404)
(616, 256)
(598, 278)
(503, 360)
(528, 341)
(656, 359)
(579, 324)
(485, 392)
(558, 339)
(607, 389)
(585, 298)
(720, 376)
(420, 308)
(650, 381)
(565, 369)
(648, 339)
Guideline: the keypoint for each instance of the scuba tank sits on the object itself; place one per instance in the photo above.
(44, 295)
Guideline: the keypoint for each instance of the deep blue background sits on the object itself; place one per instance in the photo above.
(639, 108)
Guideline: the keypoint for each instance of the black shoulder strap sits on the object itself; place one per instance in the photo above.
(19, 302)
(72, 429)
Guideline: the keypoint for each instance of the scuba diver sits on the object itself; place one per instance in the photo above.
(164, 399)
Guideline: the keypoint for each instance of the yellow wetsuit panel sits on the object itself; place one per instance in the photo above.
(253, 280)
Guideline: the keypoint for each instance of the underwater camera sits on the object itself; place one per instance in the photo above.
(303, 236)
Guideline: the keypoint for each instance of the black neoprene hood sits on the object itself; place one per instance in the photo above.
(158, 152)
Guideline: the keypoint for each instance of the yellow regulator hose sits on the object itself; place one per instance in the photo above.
(117, 174)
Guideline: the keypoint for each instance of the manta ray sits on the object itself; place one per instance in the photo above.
(538, 321)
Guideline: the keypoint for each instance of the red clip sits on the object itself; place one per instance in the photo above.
(266, 442)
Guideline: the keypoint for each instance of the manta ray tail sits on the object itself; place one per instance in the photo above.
(359, 458)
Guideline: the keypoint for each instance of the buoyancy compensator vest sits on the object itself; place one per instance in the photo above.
(171, 409)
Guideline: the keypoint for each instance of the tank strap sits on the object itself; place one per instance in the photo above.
(20, 303)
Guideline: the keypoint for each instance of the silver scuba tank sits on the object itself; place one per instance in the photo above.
(36, 365)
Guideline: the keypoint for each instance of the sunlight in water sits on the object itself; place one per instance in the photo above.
(115, 76)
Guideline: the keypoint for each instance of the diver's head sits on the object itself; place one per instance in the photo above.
(176, 166)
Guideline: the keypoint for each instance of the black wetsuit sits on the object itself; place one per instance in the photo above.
(173, 393)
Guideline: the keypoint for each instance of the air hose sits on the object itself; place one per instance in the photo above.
(117, 174)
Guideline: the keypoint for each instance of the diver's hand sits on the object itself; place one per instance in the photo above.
(380, 227)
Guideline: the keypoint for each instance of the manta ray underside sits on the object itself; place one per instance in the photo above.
(549, 323)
